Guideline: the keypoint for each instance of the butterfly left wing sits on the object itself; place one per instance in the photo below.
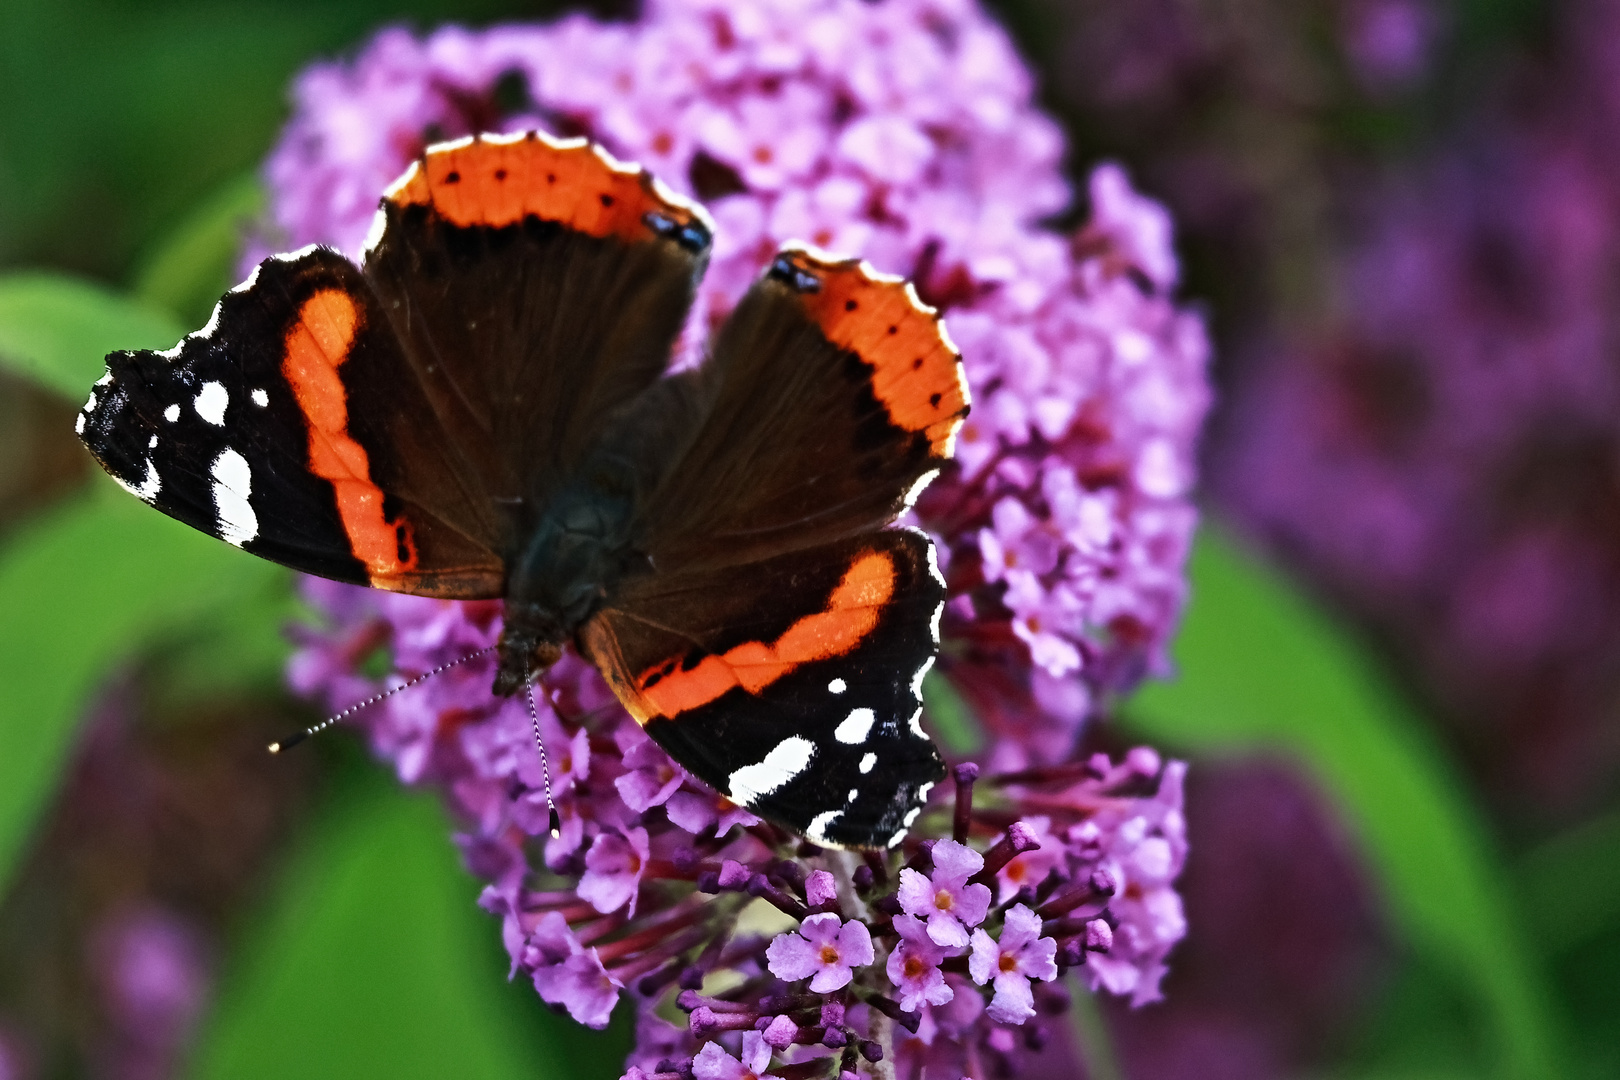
(792, 685)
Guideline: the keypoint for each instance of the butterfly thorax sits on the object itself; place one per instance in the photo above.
(567, 564)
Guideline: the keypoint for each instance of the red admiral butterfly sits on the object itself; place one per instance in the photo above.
(483, 410)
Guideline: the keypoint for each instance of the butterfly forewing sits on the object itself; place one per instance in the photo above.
(252, 429)
(834, 395)
(536, 288)
(398, 426)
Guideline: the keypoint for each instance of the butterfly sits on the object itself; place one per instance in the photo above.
(485, 408)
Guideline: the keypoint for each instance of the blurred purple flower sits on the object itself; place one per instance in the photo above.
(13, 1060)
(155, 980)
(1441, 456)
(1389, 42)
(613, 868)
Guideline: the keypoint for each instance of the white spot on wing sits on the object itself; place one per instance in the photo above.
(172, 413)
(151, 444)
(78, 425)
(853, 793)
(933, 561)
(817, 829)
(260, 398)
(147, 489)
(105, 380)
(782, 764)
(867, 762)
(837, 686)
(233, 483)
(934, 620)
(911, 815)
(916, 724)
(855, 727)
(897, 837)
(90, 406)
(210, 403)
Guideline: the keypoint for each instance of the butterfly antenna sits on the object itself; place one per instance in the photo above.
(294, 740)
(545, 769)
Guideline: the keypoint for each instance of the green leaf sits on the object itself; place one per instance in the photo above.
(196, 262)
(950, 716)
(58, 330)
(1572, 883)
(86, 586)
(374, 960)
(1262, 669)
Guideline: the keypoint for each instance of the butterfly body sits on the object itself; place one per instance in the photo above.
(484, 410)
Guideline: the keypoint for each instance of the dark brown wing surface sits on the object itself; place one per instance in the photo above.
(833, 393)
(536, 288)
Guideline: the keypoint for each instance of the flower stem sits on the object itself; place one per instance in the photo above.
(1091, 1036)
(882, 1029)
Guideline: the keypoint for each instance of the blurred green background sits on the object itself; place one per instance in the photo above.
(336, 934)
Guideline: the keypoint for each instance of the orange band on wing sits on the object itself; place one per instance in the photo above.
(916, 372)
(851, 613)
(316, 346)
(497, 181)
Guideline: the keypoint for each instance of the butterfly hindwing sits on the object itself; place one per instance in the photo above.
(792, 684)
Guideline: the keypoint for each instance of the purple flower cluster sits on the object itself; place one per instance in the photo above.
(658, 888)
(902, 131)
